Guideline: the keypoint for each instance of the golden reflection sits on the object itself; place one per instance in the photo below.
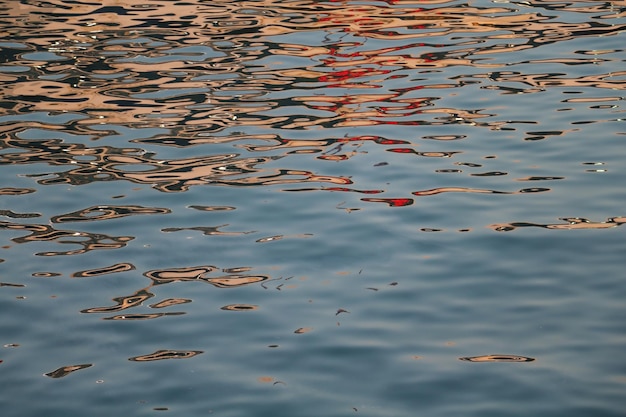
(212, 208)
(112, 269)
(174, 175)
(497, 358)
(611, 80)
(302, 330)
(280, 237)
(119, 63)
(123, 303)
(9, 284)
(88, 241)
(572, 223)
(11, 214)
(46, 274)
(170, 302)
(272, 93)
(139, 316)
(234, 277)
(207, 230)
(66, 370)
(164, 276)
(205, 73)
(231, 281)
(16, 191)
(198, 274)
(440, 190)
(166, 354)
(106, 213)
(240, 307)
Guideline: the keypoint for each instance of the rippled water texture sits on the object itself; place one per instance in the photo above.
(312, 208)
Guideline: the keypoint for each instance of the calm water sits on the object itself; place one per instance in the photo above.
(312, 208)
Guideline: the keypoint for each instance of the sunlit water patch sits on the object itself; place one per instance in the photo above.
(316, 208)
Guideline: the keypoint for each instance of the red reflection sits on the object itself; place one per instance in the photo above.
(344, 75)
(351, 190)
(392, 202)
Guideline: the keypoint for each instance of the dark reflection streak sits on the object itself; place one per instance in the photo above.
(8, 284)
(239, 307)
(193, 273)
(106, 213)
(207, 230)
(572, 223)
(167, 176)
(198, 274)
(16, 191)
(224, 82)
(170, 302)
(42, 232)
(230, 24)
(123, 303)
(142, 316)
(497, 358)
(212, 208)
(166, 354)
(12, 214)
(538, 178)
(119, 267)
(66, 370)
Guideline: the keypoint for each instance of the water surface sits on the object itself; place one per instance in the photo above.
(303, 208)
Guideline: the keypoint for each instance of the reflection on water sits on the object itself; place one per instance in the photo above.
(572, 223)
(218, 125)
(121, 267)
(497, 358)
(66, 370)
(106, 212)
(240, 307)
(44, 232)
(166, 354)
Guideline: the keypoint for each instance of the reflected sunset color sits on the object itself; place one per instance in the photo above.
(362, 184)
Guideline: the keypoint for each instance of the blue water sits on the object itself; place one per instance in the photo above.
(298, 208)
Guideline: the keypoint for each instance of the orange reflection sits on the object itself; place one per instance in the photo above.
(88, 241)
(123, 64)
(497, 358)
(112, 269)
(66, 370)
(572, 223)
(106, 213)
(240, 307)
(166, 354)
(123, 303)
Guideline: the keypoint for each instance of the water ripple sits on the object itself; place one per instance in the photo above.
(321, 138)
